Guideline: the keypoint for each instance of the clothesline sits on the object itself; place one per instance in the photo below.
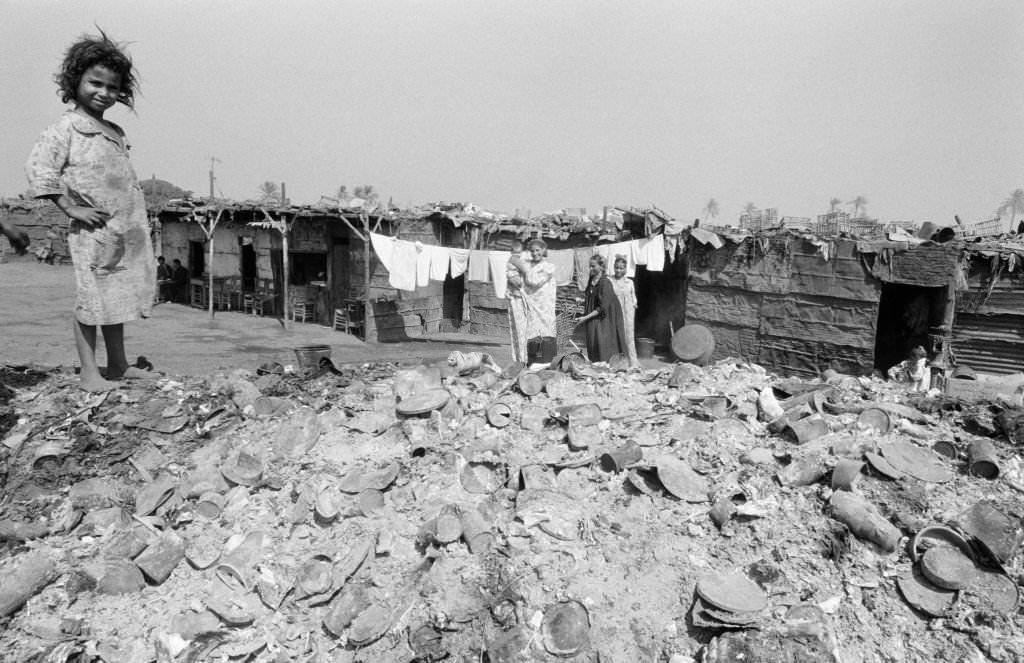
(414, 264)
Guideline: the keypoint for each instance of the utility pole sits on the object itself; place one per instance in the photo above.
(212, 178)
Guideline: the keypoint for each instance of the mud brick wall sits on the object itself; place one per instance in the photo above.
(781, 304)
(37, 218)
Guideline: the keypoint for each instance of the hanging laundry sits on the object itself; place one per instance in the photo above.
(439, 259)
(498, 261)
(639, 255)
(613, 251)
(582, 256)
(384, 247)
(654, 250)
(707, 237)
(402, 274)
(564, 261)
(459, 261)
(671, 244)
(423, 254)
(479, 268)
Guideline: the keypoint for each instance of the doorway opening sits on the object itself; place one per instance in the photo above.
(196, 259)
(452, 299)
(908, 317)
(661, 300)
(248, 266)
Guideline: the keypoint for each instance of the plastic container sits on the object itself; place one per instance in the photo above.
(309, 356)
(644, 348)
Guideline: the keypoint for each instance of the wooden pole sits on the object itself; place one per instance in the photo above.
(369, 324)
(284, 277)
(212, 222)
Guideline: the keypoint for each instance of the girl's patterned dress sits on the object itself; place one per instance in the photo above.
(115, 270)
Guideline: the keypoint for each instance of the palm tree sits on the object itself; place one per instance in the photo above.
(859, 205)
(269, 192)
(711, 209)
(343, 194)
(834, 204)
(1014, 204)
(366, 192)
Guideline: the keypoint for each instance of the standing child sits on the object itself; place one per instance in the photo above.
(81, 164)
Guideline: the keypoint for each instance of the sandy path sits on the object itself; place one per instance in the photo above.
(35, 315)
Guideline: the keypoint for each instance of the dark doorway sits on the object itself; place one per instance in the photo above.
(306, 267)
(277, 269)
(906, 315)
(453, 295)
(249, 271)
(661, 300)
(196, 259)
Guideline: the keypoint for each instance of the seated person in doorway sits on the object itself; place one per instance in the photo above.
(163, 280)
(179, 282)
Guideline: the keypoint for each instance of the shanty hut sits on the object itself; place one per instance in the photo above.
(799, 303)
(988, 334)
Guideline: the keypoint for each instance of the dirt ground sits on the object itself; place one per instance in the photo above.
(36, 301)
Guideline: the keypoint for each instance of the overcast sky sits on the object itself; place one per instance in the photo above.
(915, 105)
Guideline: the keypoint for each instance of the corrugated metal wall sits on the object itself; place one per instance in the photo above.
(988, 333)
(781, 303)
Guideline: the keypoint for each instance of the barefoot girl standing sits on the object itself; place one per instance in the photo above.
(81, 164)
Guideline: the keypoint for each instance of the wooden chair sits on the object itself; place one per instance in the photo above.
(348, 318)
(197, 293)
(249, 303)
(301, 310)
(222, 295)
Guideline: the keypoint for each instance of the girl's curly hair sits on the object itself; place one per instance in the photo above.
(90, 51)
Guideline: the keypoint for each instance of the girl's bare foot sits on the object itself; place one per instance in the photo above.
(95, 384)
(134, 373)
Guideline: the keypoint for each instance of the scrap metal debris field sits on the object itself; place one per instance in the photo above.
(412, 513)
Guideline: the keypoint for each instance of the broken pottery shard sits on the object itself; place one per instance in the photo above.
(95, 493)
(807, 429)
(119, 576)
(645, 481)
(190, 624)
(126, 543)
(992, 591)
(160, 557)
(874, 419)
(423, 402)
(583, 436)
(767, 647)
(349, 604)
(1001, 534)
(359, 480)
(864, 520)
(935, 536)
(370, 501)
(802, 471)
(15, 531)
(298, 434)
(243, 469)
(354, 560)
(234, 609)
(482, 478)
(154, 494)
(475, 531)
(235, 568)
(566, 628)
(845, 473)
(314, 576)
(24, 579)
(733, 592)
(370, 625)
(947, 568)
(882, 466)
(447, 525)
(508, 646)
(538, 476)
(203, 548)
(427, 643)
(918, 462)
(923, 595)
(680, 480)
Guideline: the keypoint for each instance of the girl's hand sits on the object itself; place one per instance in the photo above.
(88, 216)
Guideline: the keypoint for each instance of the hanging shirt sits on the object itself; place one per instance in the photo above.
(479, 268)
(498, 261)
(565, 265)
(653, 249)
(459, 261)
(423, 254)
(384, 247)
(402, 274)
(439, 259)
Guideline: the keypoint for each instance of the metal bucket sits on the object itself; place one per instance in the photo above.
(309, 356)
(644, 348)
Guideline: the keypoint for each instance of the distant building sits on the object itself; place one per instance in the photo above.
(833, 223)
(797, 223)
(760, 219)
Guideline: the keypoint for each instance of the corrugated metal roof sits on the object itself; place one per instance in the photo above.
(989, 343)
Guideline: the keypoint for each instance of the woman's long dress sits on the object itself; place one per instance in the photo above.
(605, 333)
(626, 294)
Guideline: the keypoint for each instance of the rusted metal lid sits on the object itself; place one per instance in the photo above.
(693, 343)
(733, 592)
(423, 402)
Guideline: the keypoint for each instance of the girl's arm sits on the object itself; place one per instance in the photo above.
(89, 216)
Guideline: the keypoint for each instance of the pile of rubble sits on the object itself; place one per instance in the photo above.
(455, 512)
